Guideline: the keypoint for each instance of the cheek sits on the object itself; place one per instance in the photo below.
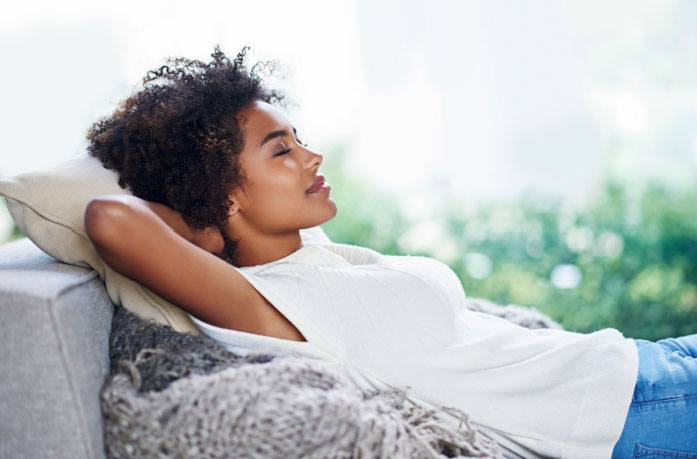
(278, 199)
(283, 189)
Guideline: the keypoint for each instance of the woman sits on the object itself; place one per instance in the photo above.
(223, 192)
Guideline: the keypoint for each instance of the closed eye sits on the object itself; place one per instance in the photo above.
(288, 150)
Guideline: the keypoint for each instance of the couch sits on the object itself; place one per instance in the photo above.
(55, 326)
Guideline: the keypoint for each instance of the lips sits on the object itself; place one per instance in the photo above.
(316, 184)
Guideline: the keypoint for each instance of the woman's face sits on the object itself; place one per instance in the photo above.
(279, 171)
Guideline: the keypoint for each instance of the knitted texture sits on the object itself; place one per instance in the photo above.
(176, 395)
(520, 315)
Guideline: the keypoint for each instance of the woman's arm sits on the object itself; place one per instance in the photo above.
(158, 252)
(208, 238)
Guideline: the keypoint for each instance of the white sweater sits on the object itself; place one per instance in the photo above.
(401, 321)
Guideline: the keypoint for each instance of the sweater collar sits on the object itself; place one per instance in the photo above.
(309, 254)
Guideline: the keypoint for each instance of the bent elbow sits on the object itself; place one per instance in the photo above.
(100, 219)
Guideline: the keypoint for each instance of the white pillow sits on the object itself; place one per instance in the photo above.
(49, 206)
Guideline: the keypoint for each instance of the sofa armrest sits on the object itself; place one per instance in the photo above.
(54, 330)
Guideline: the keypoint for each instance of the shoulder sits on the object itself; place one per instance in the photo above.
(314, 235)
(355, 254)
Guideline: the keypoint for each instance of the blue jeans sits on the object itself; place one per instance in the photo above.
(662, 418)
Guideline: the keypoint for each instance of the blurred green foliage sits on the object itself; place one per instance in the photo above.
(5, 221)
(626, 260)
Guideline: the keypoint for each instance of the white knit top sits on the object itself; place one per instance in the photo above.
(401, 321)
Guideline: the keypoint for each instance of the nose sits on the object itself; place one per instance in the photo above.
(315, 158)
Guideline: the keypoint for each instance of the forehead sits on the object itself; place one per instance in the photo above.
(258, 119)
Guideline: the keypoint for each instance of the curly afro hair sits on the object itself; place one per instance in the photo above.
(177, 141)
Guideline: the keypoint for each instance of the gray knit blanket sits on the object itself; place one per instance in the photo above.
(176, 395)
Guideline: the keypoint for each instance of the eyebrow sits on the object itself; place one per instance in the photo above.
(277, 133)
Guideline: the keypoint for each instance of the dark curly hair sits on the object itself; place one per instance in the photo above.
(177, 141)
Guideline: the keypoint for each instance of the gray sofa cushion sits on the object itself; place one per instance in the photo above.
(56, 320)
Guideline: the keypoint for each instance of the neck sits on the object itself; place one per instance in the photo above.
(257, 248)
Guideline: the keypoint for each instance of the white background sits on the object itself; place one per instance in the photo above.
(466, 99)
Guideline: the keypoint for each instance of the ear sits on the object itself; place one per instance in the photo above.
(235, 196)
(234, 208)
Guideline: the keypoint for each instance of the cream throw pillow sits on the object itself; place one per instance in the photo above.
(49, 205)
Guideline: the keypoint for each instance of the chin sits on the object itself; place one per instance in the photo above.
(336, 210)
(324, 220)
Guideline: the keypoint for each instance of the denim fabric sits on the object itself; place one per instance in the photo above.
(662, 418)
